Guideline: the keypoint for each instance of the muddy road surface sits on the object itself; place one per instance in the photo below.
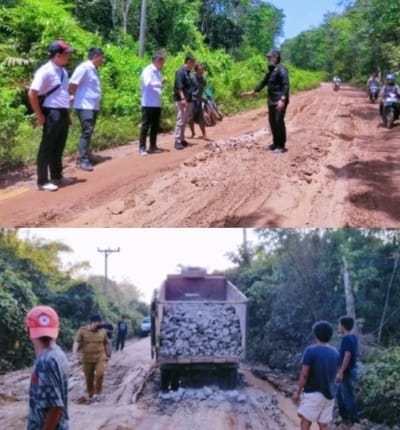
(342, 168)
(132, 400)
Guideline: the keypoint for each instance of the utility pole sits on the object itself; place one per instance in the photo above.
(106, 253)
(142, 28)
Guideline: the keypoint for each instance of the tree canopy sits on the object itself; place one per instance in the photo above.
(365, 38)
(31, 273)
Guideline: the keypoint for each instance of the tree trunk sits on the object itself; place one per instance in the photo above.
(348, 291)
(385, 308)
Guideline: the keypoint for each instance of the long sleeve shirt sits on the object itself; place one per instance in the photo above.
(277, 81)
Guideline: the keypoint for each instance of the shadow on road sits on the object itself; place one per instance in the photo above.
(377, 178)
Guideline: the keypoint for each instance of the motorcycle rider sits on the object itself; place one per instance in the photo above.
(390, 87)
(373, 81)
(336, 81)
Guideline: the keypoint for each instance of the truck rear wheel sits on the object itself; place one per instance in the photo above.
(228, 377)
(174, 380)
(165, 379)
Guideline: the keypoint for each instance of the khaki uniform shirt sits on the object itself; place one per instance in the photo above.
(92, 344)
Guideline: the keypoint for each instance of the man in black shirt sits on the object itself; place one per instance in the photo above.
(277, 81)
(183, 100)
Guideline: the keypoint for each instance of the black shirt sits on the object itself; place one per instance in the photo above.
(183, 81)
(277, 81)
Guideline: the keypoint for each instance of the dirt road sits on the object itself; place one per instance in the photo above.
(133, 401)
(341, 169)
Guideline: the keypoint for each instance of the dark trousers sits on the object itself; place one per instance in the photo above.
(346, 397)
(88, 120)
(277, 124)
(51, 148)
(150, 121)
(120, 342)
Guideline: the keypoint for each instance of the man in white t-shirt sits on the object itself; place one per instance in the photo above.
(85, 88)
(49, 98)
(151, 84)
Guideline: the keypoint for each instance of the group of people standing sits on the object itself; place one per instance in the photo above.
(328, 374)
(52, 94)
(188, 96)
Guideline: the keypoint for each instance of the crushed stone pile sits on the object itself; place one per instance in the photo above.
(203, 329)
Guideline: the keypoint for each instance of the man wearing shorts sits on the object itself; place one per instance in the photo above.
(317, 383)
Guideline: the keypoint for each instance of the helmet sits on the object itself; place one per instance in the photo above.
(391, 77)
(42, 321)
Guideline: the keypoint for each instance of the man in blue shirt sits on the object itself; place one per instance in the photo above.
(151, 83)
(347, 375)
(316, 387)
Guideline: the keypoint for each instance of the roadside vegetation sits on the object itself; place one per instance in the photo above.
(296, 277)
(365, 38)
(32, 273)
(230, 37)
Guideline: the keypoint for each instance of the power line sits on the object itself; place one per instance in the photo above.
(106, 253)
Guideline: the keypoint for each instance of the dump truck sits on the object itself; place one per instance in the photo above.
(198, 326)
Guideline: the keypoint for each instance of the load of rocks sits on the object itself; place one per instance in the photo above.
(200, 329)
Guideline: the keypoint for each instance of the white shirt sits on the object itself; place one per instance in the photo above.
(151, 86)
(48, 77)
(88, 93)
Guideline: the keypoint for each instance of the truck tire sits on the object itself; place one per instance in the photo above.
(174, 381)
(228, 377)
(165, 379)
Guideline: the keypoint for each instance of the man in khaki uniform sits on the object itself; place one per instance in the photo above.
(92, 342)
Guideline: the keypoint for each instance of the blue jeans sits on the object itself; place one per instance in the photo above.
(87, 119)
(346, 397)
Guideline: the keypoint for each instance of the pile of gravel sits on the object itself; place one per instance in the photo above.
(200, 329)
(215, 398)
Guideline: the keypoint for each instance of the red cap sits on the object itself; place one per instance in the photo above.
(42, 321)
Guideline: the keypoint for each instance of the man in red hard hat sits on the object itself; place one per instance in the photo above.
(48, 392)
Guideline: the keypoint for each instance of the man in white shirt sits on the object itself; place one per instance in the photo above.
(49, 98)
(151, 83)
(85, 87)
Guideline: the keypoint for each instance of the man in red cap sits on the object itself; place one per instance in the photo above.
(276, 80)
(50, 100)
(48, 392)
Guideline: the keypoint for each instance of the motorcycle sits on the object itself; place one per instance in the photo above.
(391, 109)
(211, 106)
(336, 86)
(373, 93)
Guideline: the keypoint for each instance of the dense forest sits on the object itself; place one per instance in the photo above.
(292, 278)
(230, 36)
(365, 38)
(31, 273)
